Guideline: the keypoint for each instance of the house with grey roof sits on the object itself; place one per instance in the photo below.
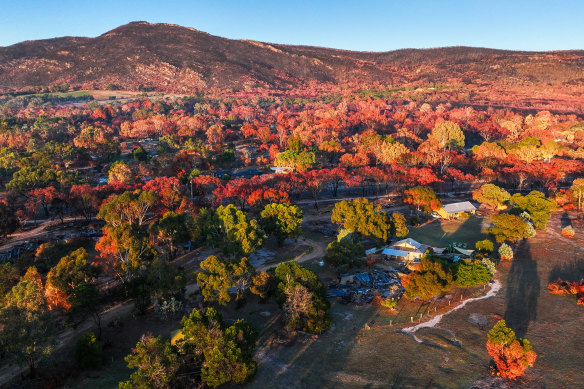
(455, 210)
(407, 249)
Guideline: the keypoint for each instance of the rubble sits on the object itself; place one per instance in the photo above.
(360, 288)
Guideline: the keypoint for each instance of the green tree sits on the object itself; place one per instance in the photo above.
(294, 144)
(127, 208)
(448, 134)
(27, 326)
(71, 271)
(166, 281)
(282, 220)
(344, 254)
(508, 228)
(501, 334)
(139, 154)
(29, 178)
(217, 276)
(8, 161)
(88, 353)
(224, 354)
(172, 229)
(303, 298)
(491, 195)
(578, 190)
(361, 216)
(8, 278)
(301, 161)
(124, 250)
(84, 302)
(242, 236)
(156, 363)
(485, 246)
(399, 228)
(537, 205)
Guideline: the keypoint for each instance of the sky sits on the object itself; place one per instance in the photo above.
(353, 25)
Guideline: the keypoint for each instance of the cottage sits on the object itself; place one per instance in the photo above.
(406, 249)
(455, 210)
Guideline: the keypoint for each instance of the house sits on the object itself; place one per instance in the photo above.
(454, 210)
(248, 173)
(406, 249)
(282, 169)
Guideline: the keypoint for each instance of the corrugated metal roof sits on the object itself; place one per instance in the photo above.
(464, 251)
(463, 206)
(411, 242)
(396, 253)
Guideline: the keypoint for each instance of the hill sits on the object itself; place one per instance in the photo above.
(176, 59)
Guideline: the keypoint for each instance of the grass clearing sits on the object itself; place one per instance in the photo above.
(440, 233)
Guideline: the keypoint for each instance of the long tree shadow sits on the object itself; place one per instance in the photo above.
(565, 220)
(568, 270)
(523, 287)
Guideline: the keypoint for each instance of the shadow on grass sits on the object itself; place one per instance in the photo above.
(572, 271)
(565, 220)
(440, 233)
(523, 287)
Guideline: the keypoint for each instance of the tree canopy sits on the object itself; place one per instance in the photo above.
(491, 195)
(537, 205)
(508, 228)
(422, 197)
(363, 217)
(282, 220)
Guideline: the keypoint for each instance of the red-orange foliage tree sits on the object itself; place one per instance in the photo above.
(511, 355)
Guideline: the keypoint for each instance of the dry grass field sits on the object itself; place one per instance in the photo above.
(365, 347)
(454, 356)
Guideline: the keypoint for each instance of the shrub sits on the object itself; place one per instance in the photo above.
(169, 309)
(490, 265)
(139, 154)
(88, 353)
(530, 230)
(389, 303)
(568, 232)
(471, 273)
(433, 278)
(505, 252)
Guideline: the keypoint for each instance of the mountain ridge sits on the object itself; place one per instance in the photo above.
(172, 58)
